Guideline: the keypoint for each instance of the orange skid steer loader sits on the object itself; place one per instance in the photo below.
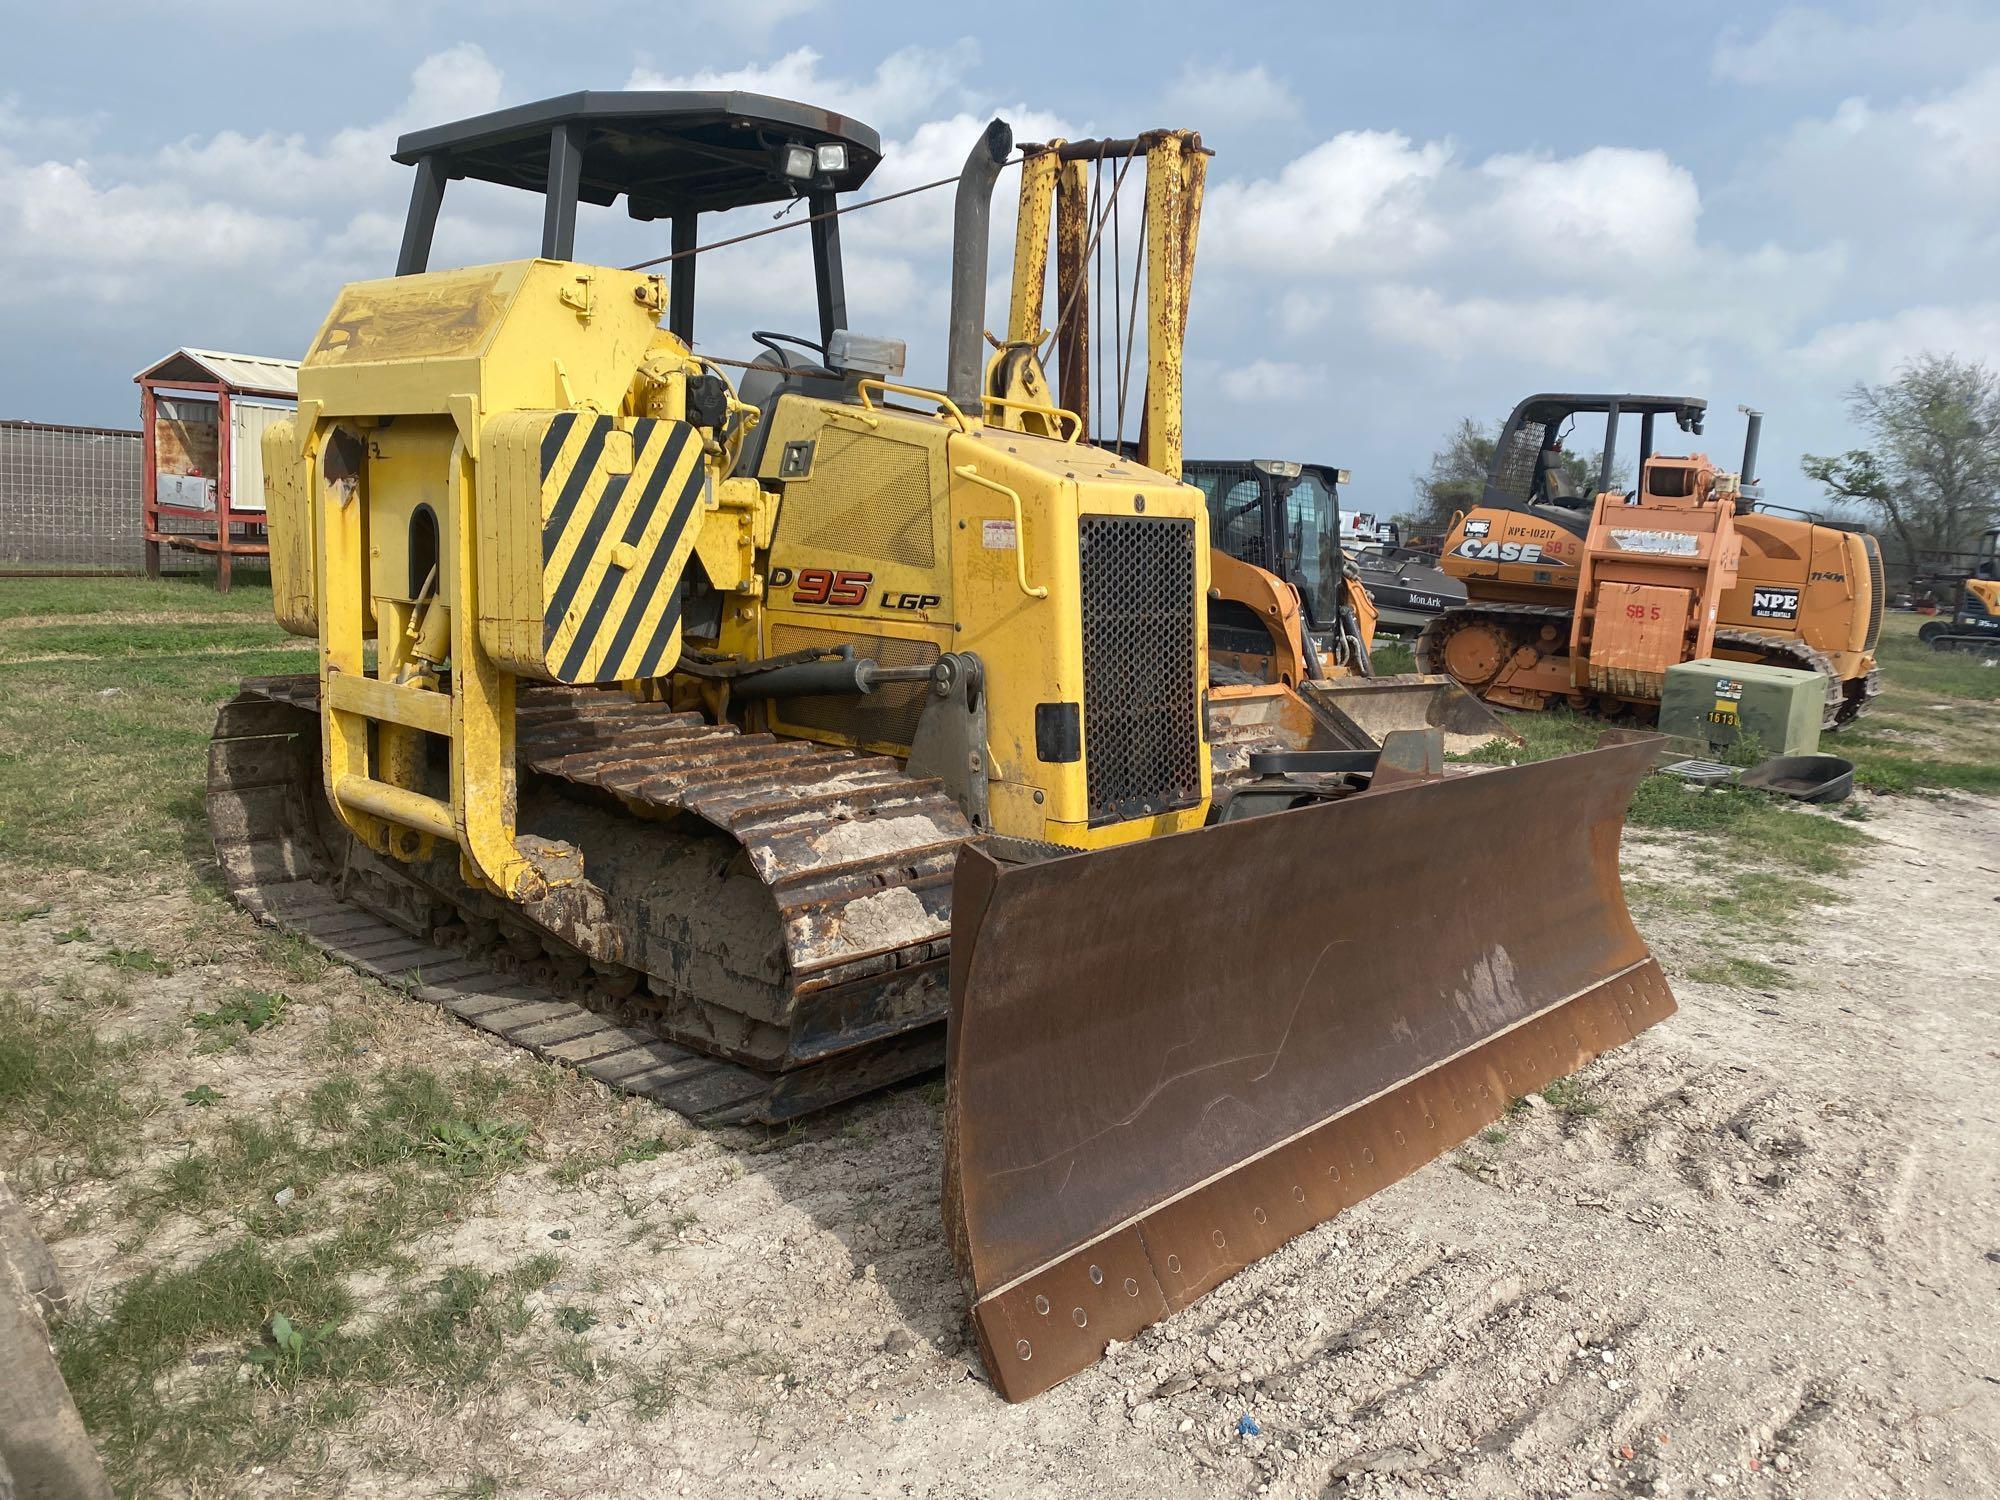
(753, 736)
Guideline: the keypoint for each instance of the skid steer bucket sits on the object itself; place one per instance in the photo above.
(1167, 1059)
(1370, 707)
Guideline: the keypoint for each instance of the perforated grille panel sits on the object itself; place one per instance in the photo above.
(1141, 700)
(1875, 587)
(887, 716)
(868, 495)
(1515, 474)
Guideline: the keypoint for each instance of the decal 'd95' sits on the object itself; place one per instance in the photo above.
(841, 587)
(844, 588)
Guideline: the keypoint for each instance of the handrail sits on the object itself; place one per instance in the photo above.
(1011, 404)
(1033, 591)
(861, 389)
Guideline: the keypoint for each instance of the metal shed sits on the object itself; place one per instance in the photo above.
(202, 414)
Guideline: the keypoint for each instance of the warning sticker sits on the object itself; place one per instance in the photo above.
(1774, 604)
(1656, 543)
(998, 535)
(1728, 687)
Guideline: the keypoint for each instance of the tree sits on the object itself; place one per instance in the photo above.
(1932, 472)
(1457, 476)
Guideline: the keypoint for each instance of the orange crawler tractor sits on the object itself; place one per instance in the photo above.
(1587, 602)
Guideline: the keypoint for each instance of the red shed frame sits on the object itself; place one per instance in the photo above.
(238, 529)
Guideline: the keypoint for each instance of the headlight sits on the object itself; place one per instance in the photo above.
(796, 161)
(832, 158)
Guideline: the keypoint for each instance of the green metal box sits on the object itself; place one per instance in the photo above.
(1721, 703)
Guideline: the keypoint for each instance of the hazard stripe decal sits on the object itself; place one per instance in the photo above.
(613, 580)
(580, 469)
(602, 622)
(649, 581)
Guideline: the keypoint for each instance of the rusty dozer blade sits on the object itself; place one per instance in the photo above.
(1167, 1059)
(1374, 706)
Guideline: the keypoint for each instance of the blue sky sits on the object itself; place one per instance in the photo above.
(1417, 212)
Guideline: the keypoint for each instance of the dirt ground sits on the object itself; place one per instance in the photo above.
(1768, 1263)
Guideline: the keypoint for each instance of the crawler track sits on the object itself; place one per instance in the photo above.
(1845, 700)
(761, 930)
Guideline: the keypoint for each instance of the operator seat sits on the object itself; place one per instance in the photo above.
(773, 374)
(1557, 487)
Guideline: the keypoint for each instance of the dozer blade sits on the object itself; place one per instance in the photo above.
(1167, 1059)
(1376, 705)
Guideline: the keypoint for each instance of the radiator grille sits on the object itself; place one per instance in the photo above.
(1875, 590)
(887, 716)
(1141, 700)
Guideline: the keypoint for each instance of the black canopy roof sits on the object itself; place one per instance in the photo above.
(1553, 406)
(664, 152)
(1514, 473)
(669, 154)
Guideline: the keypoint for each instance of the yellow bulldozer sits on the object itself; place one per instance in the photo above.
(1585, 600)
(754, 734)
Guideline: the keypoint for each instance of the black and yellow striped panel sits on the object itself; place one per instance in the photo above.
(614, 544)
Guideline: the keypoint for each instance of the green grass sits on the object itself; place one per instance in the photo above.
(1750, 826)
(577, 1166)
(1392, 656)
(372, 1164)
(313, 1350)
(1936, 726)
(136, 961)
(1737, 972)
(1764, 844)
(467, 1126)
(111, 640)
(63, 1084)
(249, 1009)
(1910, 666)
(1771, 853)
(31, 598)
(297, 1290)
(1879, 770)
(1571, 1100)
(1544, 735)
(103, 758)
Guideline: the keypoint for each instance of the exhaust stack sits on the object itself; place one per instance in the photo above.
(970, 225)
(1753, 429)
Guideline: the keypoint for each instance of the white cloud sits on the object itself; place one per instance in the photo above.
(1373, 271)
(752, 19)
(235, 223)
(902, 88)
(1609, 204)
(1218, 98)
(1812, 47)
(1945, 144)
(1357, 202)
(1587, 335)
(1286, 382)
(72, 233)
(1874, 348)
(1964, 124)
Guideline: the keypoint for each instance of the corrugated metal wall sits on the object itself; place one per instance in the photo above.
(247, 420)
